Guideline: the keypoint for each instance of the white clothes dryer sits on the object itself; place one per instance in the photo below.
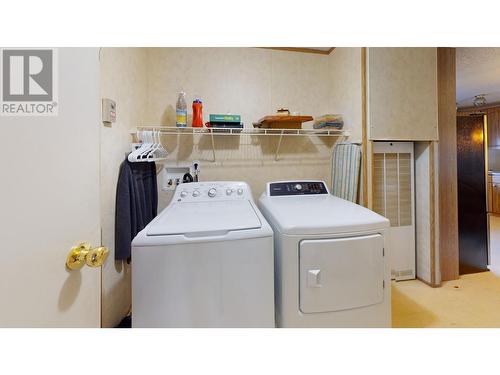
(330, 258)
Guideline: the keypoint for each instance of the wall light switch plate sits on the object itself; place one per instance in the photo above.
(108, 107)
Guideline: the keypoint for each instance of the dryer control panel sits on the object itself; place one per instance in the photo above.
(296, 188)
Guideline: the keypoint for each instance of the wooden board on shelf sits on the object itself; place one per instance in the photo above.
(283, 122)
(319, 50)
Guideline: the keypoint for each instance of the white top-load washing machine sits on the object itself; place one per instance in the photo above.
(205, 261)
(330, 262)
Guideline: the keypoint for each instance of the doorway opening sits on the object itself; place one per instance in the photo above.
(478, 159)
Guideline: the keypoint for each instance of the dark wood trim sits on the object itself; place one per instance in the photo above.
(448, 198)
(302, 49)
(364, 141)
(427, 283)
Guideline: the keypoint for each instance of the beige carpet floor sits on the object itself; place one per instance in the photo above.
(471, 301)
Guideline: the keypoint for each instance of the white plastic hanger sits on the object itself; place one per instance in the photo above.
(155, 146)
(150, 149)
(160, 152)
(132, 157)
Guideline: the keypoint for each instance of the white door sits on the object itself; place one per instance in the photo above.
(49, 194)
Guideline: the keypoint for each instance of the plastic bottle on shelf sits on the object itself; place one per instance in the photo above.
(181, 111)
(197, 113)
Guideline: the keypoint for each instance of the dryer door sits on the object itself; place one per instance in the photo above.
(341, 273)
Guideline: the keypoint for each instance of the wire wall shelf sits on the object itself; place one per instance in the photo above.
(266, 132)
(250, 131)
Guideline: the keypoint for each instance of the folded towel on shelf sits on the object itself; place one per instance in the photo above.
(329, 120)
(136, 203)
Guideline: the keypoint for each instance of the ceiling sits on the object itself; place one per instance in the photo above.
(478, 72)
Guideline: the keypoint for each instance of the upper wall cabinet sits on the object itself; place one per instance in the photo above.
(493, 124)
(402, 94)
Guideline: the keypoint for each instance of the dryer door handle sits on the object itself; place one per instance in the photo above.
(314, 278)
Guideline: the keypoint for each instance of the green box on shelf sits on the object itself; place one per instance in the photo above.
(225, 118)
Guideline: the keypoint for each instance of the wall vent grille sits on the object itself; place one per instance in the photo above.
(392, 195)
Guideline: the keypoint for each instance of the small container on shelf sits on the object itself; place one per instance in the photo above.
(181, 111)
(197, 113)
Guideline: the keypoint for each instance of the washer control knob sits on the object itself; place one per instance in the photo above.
(298, 187)
(229, 191)
(212, 192)
(196, 193)
(240, 191)
(184, 194)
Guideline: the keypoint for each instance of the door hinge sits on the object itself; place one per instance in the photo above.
(383, 284)
(383, 251)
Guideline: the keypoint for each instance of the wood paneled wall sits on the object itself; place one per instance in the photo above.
(448, 201)
(493, 116)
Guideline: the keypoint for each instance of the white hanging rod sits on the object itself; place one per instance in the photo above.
(173, 130)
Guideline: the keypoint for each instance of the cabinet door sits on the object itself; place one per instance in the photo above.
(493, 127)
(402, 94)
(495, 198)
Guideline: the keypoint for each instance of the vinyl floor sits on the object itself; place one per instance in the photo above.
(471, 301)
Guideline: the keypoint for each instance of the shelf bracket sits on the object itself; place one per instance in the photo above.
(213, 143)
(278, 147)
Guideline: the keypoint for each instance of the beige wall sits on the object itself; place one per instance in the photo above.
(123, 79)
(249, 81)
(255, 82)
(422, 212)
(345, 96)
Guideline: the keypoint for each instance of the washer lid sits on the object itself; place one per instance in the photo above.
(198, 219)
(320, 214)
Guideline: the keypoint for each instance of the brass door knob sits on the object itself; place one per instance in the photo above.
(83, 254)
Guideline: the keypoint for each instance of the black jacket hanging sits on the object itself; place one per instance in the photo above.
(136, 203)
